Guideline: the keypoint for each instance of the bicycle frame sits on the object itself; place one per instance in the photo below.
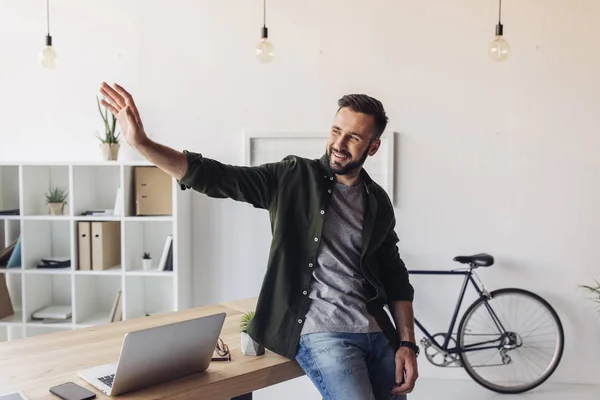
(471, 347)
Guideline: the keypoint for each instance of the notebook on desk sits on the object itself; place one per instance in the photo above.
(159, 354)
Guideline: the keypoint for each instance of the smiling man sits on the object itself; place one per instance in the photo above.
(334, 264)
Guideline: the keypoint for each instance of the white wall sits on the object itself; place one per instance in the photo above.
(492, 157)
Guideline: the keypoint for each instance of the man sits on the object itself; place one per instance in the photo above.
(333, 264)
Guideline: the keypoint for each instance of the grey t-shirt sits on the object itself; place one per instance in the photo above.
(338, 290)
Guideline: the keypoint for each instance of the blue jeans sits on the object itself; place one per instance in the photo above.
(349, 366)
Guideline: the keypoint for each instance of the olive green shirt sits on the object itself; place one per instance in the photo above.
(296, 192)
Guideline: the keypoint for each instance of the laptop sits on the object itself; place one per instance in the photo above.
(159, 354)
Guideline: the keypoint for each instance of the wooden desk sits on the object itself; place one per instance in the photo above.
(35, 364)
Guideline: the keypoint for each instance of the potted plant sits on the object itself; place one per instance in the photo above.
(594, 291)
(56, 198)
(249, 346)
(146, 261)
(109, 145)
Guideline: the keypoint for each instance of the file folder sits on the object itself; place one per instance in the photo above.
(85, 246)
(106, 244)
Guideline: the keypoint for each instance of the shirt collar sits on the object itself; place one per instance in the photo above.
(366, 179)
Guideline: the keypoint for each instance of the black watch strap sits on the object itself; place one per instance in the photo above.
(410, 345)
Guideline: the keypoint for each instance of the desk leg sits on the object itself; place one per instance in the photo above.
(247, 396)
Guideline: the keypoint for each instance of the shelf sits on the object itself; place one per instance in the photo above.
(145, 236)
(10, 217)
(16, 319)
(11, 333)
(36, 182)
(48, 271)
(97, 218)
(149, 273)
(9, 188)
(7, 271)
(111, 271)
(10, 230)
(148, 295)
(14, 283)
(57, 325)
(166, 218)
(94, 320)
(134, 191)
(46, 218)
(95, 297)
(43, 290)
(91, 294)
(43, 239)
(95, 187)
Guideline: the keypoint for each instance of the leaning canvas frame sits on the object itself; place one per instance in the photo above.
(270, 146)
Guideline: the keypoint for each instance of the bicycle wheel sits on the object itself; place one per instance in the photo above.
(527, 334)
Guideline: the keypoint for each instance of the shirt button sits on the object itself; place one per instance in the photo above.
(310, 265)
(329, 191)
(331, 178)
(322, 212)
(316, 239)
(305, 293)
(299, 321)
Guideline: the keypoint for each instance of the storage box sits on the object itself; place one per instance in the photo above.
(106, 244)
(153, 191)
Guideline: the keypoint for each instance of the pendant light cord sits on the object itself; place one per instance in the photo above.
(264, 12)
(499, 11)
(48, 15)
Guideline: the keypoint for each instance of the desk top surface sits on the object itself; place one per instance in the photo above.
(33, 365)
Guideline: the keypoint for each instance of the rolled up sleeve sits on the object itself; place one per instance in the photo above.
(256, 185)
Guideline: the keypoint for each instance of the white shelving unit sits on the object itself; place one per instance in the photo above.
(89, 293)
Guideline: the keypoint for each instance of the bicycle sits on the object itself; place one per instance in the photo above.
(502, 337)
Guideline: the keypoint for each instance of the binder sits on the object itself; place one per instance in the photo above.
(106, 244)
(153, 193)
(84, 246)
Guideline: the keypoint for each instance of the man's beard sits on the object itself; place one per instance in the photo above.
(351, 166)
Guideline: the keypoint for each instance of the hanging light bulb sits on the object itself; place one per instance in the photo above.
(499, 47)
(48, 57)
(265, 51)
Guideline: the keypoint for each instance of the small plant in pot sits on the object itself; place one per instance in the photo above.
(56, 198)
(146, 261)
(593, 291)
(249, 346)
(109, 145)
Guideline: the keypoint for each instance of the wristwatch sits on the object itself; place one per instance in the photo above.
(410, 345)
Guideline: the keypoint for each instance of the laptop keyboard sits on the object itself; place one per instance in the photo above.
(107, 380)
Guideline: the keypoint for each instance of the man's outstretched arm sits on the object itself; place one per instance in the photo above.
(121, 104)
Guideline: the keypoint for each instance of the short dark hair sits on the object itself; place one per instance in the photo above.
(365, 104)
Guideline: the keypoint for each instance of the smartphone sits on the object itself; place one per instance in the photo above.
(72, 391)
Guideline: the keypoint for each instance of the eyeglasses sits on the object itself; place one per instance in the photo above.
(223, 351)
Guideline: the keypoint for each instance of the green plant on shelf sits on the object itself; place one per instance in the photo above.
(56, 198)
(110, 126)
(146, 256)
(56, 195)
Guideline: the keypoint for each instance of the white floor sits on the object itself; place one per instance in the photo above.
(434, 389)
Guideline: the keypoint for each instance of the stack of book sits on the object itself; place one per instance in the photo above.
(52, 314)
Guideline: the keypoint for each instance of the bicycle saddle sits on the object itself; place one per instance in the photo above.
(479, 260)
